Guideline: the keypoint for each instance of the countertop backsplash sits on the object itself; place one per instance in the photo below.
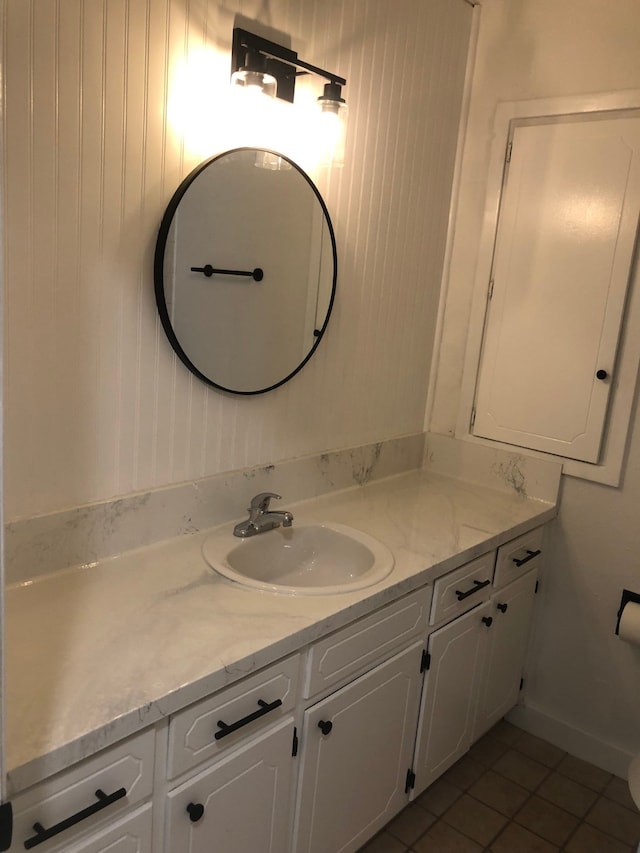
(87, 534)
(83, 535)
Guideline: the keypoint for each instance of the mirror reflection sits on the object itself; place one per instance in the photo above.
(245, 270)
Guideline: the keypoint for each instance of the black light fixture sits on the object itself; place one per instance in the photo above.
(272, 69)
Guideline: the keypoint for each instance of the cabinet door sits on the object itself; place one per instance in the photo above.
(241, 804)
(448, 710)
(357, 749)
(563, 255)
(508, 635)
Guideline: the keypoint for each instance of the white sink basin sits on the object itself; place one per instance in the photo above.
(316, 559)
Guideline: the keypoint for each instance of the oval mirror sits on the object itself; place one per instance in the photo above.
(245, 270)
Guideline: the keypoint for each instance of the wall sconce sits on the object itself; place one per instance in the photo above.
(263, 67)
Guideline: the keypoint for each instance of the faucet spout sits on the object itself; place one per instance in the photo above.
(261, 518)
(282, 517)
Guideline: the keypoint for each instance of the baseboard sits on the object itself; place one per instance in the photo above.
(575, 742)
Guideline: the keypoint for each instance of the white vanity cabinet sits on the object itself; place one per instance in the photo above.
(347, 744)
(317, 751)
(358, 751)
(231, 762)
(453, 668)
(239, 804)
(475, 661)
(89, 808)
(357, 741)
(507, 640)
(447, 715)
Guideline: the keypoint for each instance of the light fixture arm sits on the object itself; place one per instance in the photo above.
(332, 78)
(281, 62)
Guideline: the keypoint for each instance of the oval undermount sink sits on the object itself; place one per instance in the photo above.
(314, 559)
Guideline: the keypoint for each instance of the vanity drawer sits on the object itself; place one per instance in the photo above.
(63, 805)
(518, 556)
(131, 834)
(211, 726)
(463, 588)
(352, 649)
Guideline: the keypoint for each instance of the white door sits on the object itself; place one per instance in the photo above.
(511, 609)
(447, 714)
(357, 749)
(241, 804)
(564, 249)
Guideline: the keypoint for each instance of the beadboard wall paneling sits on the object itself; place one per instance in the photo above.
(96, 140)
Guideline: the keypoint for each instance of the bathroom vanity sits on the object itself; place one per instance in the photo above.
(156, 707)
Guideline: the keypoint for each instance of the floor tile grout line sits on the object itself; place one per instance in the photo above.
(487, 849)
(532, 792)
(550, 769)
(509, 819)
(599, 793)
(596, 827)
(536, 792)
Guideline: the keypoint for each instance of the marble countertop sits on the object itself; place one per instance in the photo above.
(95, 653)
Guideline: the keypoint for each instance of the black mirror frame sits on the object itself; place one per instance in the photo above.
(158, 271)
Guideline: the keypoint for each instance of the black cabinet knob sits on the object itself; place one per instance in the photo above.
(488, 620)
(502, 607)
(195, 810)
(602, 374)
(325, 726)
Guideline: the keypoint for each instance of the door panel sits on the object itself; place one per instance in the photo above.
(354, 771)
(243, 800)
(564, 248)
(447, 715)
(512, 609)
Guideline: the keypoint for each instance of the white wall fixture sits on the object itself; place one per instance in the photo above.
(548, 366)
(564, 247)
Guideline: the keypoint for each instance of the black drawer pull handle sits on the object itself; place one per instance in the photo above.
(43, 834)
(530, 556)
(488, 621)
(264, 708)
(502, 607)
(195, 811)
(325, 726)
(477, 586)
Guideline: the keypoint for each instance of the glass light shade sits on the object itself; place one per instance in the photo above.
(271, 160)
(332, 131)
(255, 82)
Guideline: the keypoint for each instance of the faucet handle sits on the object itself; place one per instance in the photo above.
(262, 501)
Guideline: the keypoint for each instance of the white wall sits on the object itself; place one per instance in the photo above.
(97, 405)
(584, 683)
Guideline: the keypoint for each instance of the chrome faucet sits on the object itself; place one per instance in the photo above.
(261, 518)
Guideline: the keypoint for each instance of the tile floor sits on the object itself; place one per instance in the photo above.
(515, 793)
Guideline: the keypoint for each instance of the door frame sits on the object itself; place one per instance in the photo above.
(609, 468)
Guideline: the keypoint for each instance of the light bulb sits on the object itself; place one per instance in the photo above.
(255, 83)
(332, 129)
